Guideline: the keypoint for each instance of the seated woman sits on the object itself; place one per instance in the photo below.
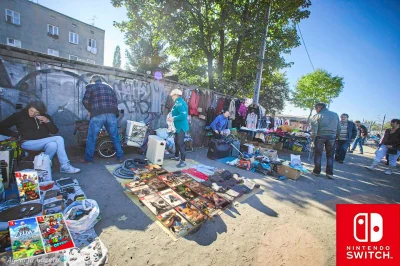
(220, 124)
(390, 144)
(34, 127)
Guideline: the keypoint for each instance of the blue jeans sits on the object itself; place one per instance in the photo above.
(329, 143)
(341, 149)
(50, 146)
(358, 141)
(95, 125)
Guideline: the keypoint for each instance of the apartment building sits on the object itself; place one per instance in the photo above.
(28, 25)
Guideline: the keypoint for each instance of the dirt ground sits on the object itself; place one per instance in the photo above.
(287, 223)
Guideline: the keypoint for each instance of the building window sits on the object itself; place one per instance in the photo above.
(13, 17)
(13, 42)
(73, 57)
(53, 52)
(90, 61)
(52, 30)
(73, 25)
(73, 37)
(92, 43)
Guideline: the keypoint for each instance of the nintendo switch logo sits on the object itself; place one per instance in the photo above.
(368, 227)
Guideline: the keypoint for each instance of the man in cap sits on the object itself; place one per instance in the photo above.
(180, 119)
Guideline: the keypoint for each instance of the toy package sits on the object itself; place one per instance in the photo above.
(171, 197)
(170, 180)
(155, 203)
(185, 192)
(156, 183)
(197, 187)
(54, 232)
(175, 223)
(25, 238)
(204, 205)
(28, 185)
(191, 213)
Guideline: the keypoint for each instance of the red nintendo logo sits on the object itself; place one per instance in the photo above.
(368, 234)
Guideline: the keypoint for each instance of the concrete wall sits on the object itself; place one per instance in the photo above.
(32, 32)
(60, 84)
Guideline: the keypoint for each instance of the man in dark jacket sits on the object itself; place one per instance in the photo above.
(348, 132)
(101, 102)
(362, 134)
(36, 130)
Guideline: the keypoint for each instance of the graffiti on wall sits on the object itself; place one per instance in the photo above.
(62, 90)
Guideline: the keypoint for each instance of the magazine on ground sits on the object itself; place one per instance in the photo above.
(205, 206)
(25, 237)
(218, 201)
(156, 183)
(172, 198)
(185, 192)
(28, 185)
(55, 233)
(142, 191)
(170, 180)
(181, 176)
(155, 203)
(175, 223)
(191, 213)
(197, 188)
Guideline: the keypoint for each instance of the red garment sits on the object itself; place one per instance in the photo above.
(195, 173)
(194, 103)
(220, 106)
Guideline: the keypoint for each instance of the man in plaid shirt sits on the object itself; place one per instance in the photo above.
(101, 102)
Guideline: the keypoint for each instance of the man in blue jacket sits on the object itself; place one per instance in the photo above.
(348, 132)
(219, 124)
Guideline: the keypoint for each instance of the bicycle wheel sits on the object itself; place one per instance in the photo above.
(106, 149)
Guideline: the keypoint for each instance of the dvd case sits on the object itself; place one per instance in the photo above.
(185, 192)
(197, 187)
(218, 201)
(28, 185)
(191, 213)
(204, 205)
(155, 203)
(170, 180)
(171, 197)
(156, 183)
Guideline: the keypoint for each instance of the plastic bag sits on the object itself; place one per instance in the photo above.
(295, 160)
(42, 164)
(85, 222)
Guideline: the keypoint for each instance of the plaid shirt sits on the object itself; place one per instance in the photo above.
(99, 99)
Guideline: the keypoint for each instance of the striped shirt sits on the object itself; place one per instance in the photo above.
(343, 131)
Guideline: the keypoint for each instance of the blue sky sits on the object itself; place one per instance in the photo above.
(356, 39)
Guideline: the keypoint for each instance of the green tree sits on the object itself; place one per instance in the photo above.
(117, 57)
(318, 86)
(274, 92)
(216, 43)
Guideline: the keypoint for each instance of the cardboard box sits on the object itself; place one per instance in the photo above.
(288, 172)
(278, 146)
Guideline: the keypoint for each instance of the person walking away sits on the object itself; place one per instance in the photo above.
(180, 119)
(35, 128)
(362, 134)
(348, 132)
(325, 129)
(390, 145)
(220, 124)
(101, 102)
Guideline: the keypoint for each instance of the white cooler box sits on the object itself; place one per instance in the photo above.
(135, 133)
(155, 149)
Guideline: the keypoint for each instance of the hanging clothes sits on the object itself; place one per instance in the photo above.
(170, 103)
(194, 103)
(202, 109)
(157, 97)
(220, 106)
(242, 110)
(210, 115)
(227, 102)
(232, 110)
(186, 94)
(251, 120)
(214, 102)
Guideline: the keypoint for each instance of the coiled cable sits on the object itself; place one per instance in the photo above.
(125, 171)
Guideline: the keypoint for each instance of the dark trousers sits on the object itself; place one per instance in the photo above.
(329, 143)
(180, 145)
(341, 149)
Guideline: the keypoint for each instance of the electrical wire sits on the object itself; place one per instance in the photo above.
(301, 35)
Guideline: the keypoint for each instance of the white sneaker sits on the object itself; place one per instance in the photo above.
(371, 168)
(388, 172)
(69, 169)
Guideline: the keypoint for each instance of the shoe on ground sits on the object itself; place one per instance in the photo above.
(339, 161)
(69, 169)
(313, 173)
(361, 153)
(121, 160)
(175, 158)
(181, 164)
(329, 176)
(351, 151)
(370, 168)
(85, 161)
(388, 172)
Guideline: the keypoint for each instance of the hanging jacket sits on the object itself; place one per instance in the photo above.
(242, 110)
(232, 110)
(227, 103)
(220, 106)
(194, 103)
(210, 115)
